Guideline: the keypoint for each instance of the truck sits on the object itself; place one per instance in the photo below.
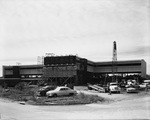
(114, 87)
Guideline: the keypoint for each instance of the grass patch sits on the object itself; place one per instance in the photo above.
(28, 95)
(85, 98)
(18, 95)
(80, 98)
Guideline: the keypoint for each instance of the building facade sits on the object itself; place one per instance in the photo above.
(75, 70)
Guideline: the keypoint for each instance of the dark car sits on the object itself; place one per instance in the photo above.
(43, 90)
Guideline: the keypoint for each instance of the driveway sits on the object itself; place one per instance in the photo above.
(124, 106)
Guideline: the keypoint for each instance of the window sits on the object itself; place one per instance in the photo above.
(62, 89)
(66, 89)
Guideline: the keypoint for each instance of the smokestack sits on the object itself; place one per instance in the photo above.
(114, 51)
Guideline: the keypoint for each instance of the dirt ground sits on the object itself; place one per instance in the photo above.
(122, 106)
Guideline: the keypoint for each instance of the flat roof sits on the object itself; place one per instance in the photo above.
(88, 61)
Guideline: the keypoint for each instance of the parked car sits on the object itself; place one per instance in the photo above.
(132, 82)
(132, 89)
(114, 87)
(42, 91)
(148, 82)
(61, 91)
(143, 85)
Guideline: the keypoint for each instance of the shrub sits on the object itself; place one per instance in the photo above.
(89, 98)
(21, 86)
(20, 93)
(1, 88)
(4, 85)
(28, 94)
(41, 82)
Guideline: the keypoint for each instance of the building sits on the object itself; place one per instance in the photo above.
(74, 70)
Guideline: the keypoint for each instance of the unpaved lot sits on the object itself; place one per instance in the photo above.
(123, 106)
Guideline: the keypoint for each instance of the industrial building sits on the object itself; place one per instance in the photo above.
(75, 70)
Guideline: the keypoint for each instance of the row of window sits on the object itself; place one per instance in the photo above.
(31, 76)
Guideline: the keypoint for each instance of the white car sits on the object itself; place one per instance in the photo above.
(113, 87)
(143, 85)
(61, 91)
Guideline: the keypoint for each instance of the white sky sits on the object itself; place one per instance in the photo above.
(31, 28)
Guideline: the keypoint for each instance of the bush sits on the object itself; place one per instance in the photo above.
(81, 98)
(4, 85)
(21, 86)
(20, 93)
(41, 82)
(1, 88)
(89, 98)
(23, 93)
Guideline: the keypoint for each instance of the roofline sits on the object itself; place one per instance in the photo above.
(99, 62)
(120, 61)
(24, 65)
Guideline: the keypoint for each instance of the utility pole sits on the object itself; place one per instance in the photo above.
(114, 62)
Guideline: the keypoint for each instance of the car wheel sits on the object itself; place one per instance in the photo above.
(89, 88)
(55, 95)
(48, 96)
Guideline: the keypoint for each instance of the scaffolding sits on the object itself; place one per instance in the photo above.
(60, 74)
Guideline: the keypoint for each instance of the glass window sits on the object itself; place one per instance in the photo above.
(66, 89)
(62, 89)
